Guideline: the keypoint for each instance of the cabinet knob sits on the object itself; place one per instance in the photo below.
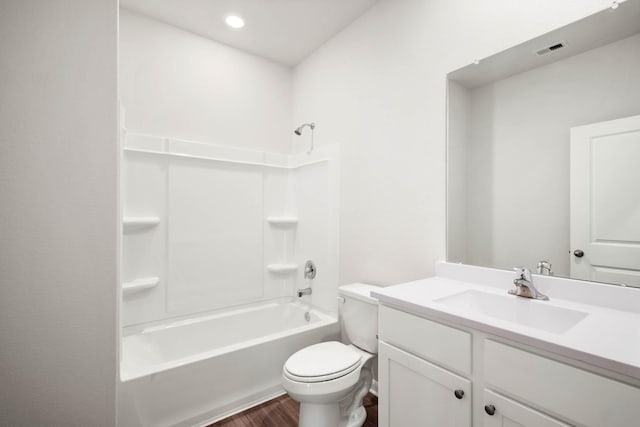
(579, 253)
(459, 394)
(490, 409)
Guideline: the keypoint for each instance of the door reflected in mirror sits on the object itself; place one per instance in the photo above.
(544, 153)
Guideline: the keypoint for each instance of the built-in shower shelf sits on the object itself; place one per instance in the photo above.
(135, 223)
(283, 221)
(139, 285)
(282, 268)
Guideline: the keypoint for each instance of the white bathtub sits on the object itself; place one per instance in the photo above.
(200, 370)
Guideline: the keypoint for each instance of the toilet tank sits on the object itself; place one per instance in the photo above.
(359, 316)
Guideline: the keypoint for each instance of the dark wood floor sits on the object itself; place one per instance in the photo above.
(283, 412)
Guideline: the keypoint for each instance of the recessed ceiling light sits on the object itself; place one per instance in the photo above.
(234, 21)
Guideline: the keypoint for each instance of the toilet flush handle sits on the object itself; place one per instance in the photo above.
(341, 300)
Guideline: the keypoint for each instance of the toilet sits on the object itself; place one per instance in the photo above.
(330, 379)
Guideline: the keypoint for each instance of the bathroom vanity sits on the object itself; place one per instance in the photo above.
(458, 350)
(527, 184)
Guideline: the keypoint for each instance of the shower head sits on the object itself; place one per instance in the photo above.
(298, 131)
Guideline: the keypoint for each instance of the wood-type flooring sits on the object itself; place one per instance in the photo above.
(283, 412)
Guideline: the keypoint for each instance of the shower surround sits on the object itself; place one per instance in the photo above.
(214, 242)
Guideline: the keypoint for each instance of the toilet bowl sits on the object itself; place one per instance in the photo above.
(330, 379)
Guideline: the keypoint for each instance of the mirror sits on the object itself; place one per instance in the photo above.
(543, 157)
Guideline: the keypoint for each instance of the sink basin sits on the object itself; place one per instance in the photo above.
(526, 312)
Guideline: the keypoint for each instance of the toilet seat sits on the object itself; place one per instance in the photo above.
(322, 362)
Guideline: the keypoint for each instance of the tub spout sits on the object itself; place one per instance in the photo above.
(305, 291)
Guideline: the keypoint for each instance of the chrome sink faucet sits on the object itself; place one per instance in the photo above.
(524, 285)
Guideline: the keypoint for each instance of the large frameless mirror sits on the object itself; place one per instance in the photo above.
(543, 155)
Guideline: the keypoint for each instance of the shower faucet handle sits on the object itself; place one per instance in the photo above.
(310, 270)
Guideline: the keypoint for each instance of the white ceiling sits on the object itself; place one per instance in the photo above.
(285, 31)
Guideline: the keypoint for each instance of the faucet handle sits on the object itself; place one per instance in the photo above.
(544, 268)
(523, 273)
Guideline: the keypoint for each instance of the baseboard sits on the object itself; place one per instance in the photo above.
(257, 400)
(374, 388)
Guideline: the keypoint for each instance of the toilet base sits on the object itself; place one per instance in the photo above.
(354, 412)
(329, 414)
(348, 412)
(319, 414)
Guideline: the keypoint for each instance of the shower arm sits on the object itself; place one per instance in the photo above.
(298, 132)
(311, 125)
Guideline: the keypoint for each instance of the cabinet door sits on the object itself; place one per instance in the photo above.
(413, 392)
(507, 413)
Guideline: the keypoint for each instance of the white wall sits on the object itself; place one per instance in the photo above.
(176, 84)
(518, 163)
(378, 89)
(58, 223)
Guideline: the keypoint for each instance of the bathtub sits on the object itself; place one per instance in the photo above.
(197, 371)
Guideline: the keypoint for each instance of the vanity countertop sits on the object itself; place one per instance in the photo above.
(608, 336)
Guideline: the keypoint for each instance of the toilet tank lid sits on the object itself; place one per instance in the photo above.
(359, 291)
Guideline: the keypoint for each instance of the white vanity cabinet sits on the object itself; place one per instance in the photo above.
(512, 413)
(412, 390)
(416, 392)
(582, 397)
(434, 373)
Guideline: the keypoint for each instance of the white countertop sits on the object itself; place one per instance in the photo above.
(608, 337)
